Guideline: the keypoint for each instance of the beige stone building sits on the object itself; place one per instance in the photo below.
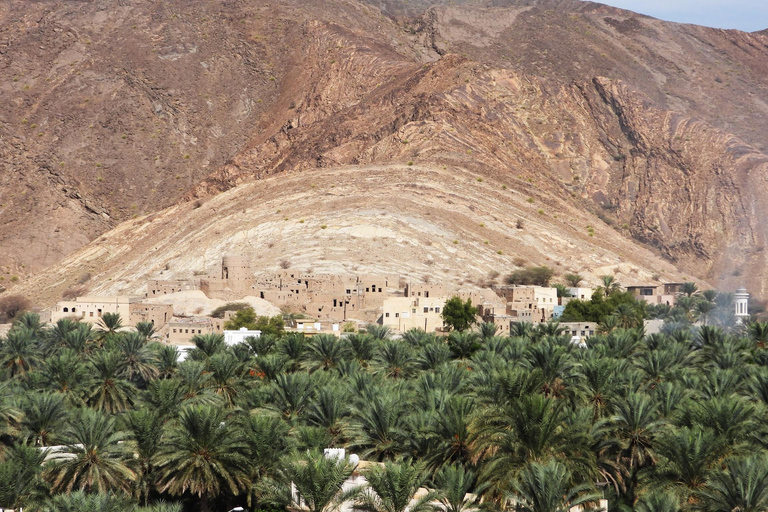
(158, 288)
(656, 293)
(529, 303)
(157, 314)
(403, 313)
(233, 281)
(581, 329)
(131, 309)
(180, 331)
(91, 308)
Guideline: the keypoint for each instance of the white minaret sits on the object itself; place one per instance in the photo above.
(741, 302)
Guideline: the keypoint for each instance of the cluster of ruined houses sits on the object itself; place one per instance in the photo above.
(332, 300)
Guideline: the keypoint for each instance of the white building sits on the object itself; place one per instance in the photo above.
(235, 337)
(741, 304)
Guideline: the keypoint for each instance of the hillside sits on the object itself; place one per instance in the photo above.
(424, 223)
(656, 128)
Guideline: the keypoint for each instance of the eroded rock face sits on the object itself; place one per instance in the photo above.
(657, 128)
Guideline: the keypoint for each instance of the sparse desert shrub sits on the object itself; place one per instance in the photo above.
(539, 276)
(519, 224)
(74, 291)
(229, 306)
(12, 306)
(285, 264)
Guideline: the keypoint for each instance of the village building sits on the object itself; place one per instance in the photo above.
(656, 293)
(157, 314)
(497, 314)
(239, 336)
(158, 288)
(181, 330)
(91, 308)
(316, 326)
(580, 293)
(403, 313)
(234, 280)
(424, 290)
(529, 303)
(131, 309)
(582, 329)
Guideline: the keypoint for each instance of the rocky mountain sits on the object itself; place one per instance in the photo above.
(563, 114)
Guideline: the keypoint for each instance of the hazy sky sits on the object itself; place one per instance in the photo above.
(747, 15)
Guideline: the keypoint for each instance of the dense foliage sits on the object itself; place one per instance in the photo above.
(665, 422)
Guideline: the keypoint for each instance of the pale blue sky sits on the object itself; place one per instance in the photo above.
(747, 15)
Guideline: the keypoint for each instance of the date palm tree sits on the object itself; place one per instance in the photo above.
(316, 482)
(686, 458)
(325, 352)
(140, 360)
(457, 490)
(463, 344)
(363, 347)
(658, 501)
(290, 395)
(330, 410)
(107, 326)
(45, 417)
(393, 487)
(167, 360)
(203, 455)
(226, 371)
(145, 429)
(21, 482)
(380, 332)
(379, 430)
(93, 458)
(450, 435)
(18, 352)
(108, 389)
(206, 345)
(147, 330)
(689, 289)
(609, 285)
(546, 487)
(742, 486)
(394, 359)
(637, 425)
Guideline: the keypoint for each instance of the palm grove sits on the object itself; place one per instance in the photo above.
(664, 422)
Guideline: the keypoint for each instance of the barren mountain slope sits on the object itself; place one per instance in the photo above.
(694, 192)
(717, 75)
(113, 109)
(562, 101)
(411, 220)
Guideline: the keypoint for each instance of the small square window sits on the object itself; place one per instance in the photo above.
(386, 315)
(437, 310)
(426, 309)
(397, 315)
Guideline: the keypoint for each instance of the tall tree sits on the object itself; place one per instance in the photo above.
(458, 315)
(546, 487)
(316, 478)
(203, 455)
(92, 458)
(393, 487)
